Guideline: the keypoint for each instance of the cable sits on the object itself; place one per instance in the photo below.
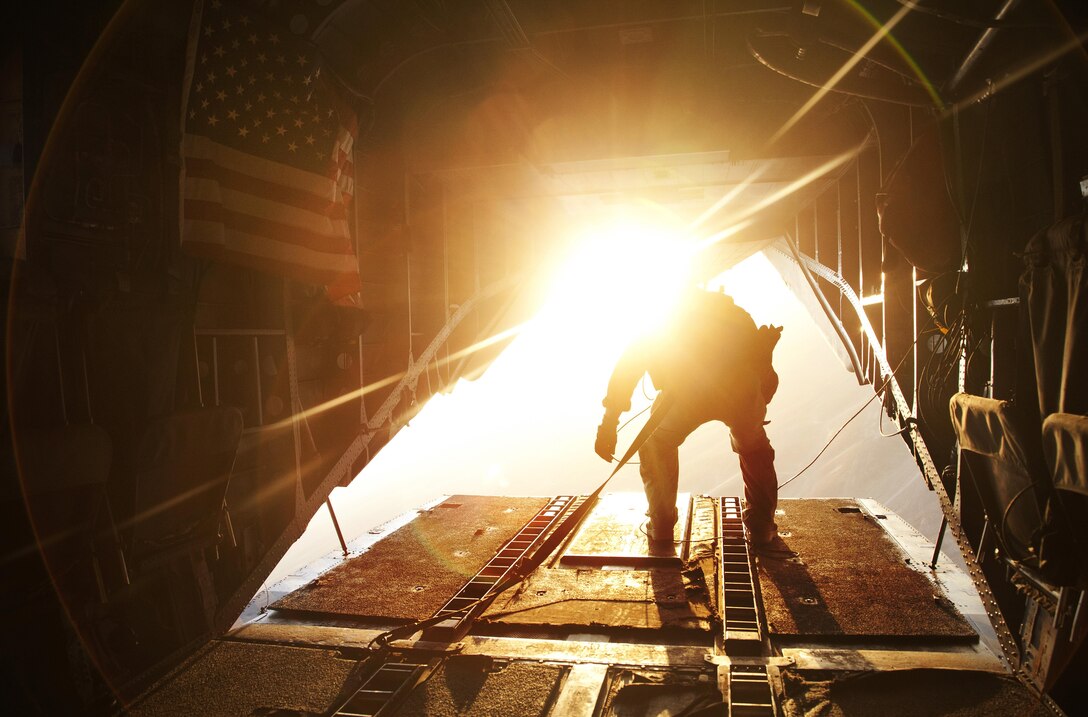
(836, 435)
(682, 541)
(628, 421)
(1005, 517)
(876, 393)
(901, 431)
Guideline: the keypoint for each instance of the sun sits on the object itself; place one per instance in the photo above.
(622, 276)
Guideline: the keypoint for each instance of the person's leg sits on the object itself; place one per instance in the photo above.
(659, 465)
(749, 441)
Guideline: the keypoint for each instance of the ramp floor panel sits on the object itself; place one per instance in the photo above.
(639, 599)
(849, 580)
(909, 693)
(607, 577)
(615, 532)
(482, 687)
(412, 572)
(236, 678)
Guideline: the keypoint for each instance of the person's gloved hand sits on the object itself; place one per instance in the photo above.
(605, 446)
(768, 337)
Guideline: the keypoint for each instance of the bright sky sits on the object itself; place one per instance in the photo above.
(527, 426)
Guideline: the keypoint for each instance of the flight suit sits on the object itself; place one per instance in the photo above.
(714, 365)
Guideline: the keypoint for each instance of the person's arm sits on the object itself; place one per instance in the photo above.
(629, 369)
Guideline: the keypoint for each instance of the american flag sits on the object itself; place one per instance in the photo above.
(267, 178)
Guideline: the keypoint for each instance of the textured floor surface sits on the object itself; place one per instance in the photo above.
(849, 579)
(910, 693)
(615, 532)
(627, 594)
(641, 693)
(236, 678)
(480, 687)
(640, 599)
(411, 573)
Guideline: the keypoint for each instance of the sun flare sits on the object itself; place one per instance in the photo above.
(622, 276)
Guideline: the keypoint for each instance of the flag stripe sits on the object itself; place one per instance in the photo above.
(196, 148)
(200, 210)
(213, 238)
(281, 267)
(206, 169)
(211, 190)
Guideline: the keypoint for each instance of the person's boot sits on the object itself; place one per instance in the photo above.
(659, 537)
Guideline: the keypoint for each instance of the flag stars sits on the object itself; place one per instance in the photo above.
(261, 57)
(204, 103)
(287, 79)
(220, 95)
(257, 122)
(302, 61)
(320, 155)
(204, 58)
(243, 62)
(244, 20)
(261, 97)
(239, 89)
(249, 106)
(326, 132)
(211, 76)
(232, 115)
(226, 24)
(281, 59)
(219, 51)
(208, 31)
(292, 147)
(270, 114)
(294, 99)
(310, 139)
(298, 123)
(213, 120)
(216, 4)
(234, 44)
(243, 131)
(252, 80)
(265, 138)
(252, 39)
(231, 71)
(277, 95)
(192, 114)
(307, 80)
(200, 87)
(281, 130)
(269, 76)
(274, 39)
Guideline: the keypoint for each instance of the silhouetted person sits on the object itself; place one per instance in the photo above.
(713, 364)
